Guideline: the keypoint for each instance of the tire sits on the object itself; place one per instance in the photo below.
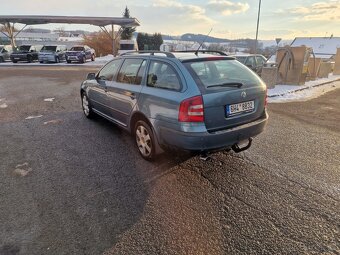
(68, 61)
(145, 141)
(93, 57)
(1, 59)
(57, 60)
(41, 62)
(29, 59)
(83, 60)
(86, 106)
(14, 61)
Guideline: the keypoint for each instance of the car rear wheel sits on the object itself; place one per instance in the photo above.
(145, 140)
(57, 60)
(83, 60)
(29, 59)
(86, 106)
(92, 57)
(68, 61)
(14, 61)
(1, 59)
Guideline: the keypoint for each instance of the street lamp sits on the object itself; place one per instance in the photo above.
(257, 27)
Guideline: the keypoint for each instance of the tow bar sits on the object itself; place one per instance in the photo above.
(237, 149)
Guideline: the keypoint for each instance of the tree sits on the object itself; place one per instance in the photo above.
(147, 42)
(100, 42)
(127, 31)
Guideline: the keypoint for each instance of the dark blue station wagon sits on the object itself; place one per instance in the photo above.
(192, 101)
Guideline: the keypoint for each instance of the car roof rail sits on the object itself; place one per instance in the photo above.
(151, 52)
(204, 51)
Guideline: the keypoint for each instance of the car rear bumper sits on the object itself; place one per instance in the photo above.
(206, 141)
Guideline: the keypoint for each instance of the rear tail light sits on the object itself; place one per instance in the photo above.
(266, 98)
(191, 110)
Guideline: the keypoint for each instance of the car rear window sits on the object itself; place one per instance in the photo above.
(222, 71)
(49, 48)
(77, 48)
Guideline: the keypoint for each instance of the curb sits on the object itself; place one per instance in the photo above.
(297, 90)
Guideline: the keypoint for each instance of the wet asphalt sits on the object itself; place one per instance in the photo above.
(69, 185)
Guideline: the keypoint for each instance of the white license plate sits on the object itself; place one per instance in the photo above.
(239, 108)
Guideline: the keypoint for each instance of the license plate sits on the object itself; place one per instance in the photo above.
(239, 108)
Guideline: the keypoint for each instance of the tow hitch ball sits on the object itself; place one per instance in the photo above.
(237, 149)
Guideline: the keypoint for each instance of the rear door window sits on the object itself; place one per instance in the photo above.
(250, 61)
(260, 60)
(129, 72)
(163, 75)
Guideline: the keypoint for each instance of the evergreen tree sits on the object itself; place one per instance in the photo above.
(128, 31)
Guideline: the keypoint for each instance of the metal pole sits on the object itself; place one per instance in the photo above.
(257, 27)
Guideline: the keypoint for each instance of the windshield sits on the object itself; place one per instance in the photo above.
(49, 48)
(77, 49)
(222, 71)
(24, 47)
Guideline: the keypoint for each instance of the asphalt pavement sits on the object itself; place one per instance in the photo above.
(69, 185)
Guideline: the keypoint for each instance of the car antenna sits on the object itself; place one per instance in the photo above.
(196, 52)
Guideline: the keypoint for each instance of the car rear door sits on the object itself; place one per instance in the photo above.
(232, 94)
(123, 92)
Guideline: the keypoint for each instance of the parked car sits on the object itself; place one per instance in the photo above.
(253, 61)
(80, 54)
(5, 52)
(197, 103)
(27, 53)
(52, 53)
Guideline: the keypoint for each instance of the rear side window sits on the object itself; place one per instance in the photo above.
(129, 71)
(109, 71)
(163, 75)
(220, 71)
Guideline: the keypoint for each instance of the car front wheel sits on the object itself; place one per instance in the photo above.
(145, 140)
(86, 106)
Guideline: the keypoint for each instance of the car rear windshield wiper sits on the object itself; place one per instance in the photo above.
(227, 84)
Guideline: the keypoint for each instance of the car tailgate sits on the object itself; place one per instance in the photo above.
(217, 114)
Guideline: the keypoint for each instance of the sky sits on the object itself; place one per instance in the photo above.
(228, 18)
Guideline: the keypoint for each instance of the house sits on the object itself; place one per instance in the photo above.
(323, 47)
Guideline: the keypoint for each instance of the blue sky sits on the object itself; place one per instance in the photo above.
(229, 19)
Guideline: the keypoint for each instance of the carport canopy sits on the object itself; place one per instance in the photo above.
(9, 20)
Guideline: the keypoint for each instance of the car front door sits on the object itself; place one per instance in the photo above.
(123, 93)
(98, 87)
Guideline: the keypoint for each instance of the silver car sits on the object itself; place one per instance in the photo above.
(5, 52)
(191, 101)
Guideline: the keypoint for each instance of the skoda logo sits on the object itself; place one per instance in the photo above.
(243, 94)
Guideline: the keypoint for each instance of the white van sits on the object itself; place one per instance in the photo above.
(127, 46)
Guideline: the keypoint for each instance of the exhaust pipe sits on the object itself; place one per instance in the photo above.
(237, 149)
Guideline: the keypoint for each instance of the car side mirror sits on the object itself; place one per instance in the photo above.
(91, 76)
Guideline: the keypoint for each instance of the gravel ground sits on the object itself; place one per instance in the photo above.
(69, 185)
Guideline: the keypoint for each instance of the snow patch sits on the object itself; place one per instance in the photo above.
(33, 117)
(22, 169)
(3, 106)
(312, 89)
(49, 99)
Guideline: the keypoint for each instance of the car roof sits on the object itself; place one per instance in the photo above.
(181, 56)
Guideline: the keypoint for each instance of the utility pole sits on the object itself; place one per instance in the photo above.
(257, 27)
